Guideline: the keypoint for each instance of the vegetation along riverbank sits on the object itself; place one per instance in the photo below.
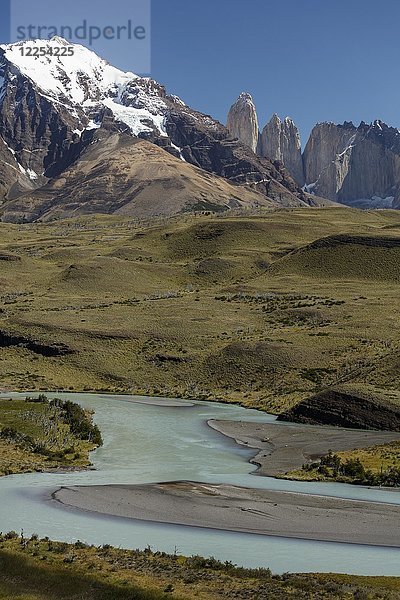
(38, 434)
(42, 569)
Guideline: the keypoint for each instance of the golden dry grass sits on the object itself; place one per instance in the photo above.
(200, 306)
(45, 570)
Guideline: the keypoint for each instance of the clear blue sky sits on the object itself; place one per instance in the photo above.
(314, 60)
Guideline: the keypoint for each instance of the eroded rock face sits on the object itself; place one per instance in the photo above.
(38, 133)
(356, 166)
(359, 166)
(10, 172)
(208, 145)
(280, 140)
(242, 121)
(344, 409)
(48, 113)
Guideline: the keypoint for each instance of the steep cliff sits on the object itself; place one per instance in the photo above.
(359, 166)
(243, 122)
(356, 166)
(280, 140)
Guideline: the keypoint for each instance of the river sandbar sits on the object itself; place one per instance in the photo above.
(239, 509)
(286, 447)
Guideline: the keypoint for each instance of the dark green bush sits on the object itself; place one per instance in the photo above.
(331, 466)
(79, 421)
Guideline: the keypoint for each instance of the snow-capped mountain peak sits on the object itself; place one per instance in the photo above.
(68, 70)
(60, 103)
(75, 77)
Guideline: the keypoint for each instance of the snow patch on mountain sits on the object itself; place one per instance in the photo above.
(8, 147)
(91, 125)
(309, 187)
(349, 146)
(138, 120)
(28, 172)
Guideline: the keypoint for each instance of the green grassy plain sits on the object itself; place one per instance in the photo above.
(46, 570)
(234, 308)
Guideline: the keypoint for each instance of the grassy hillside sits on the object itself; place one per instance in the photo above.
(345, 257)
(371, 466)
(37, 434)
(257, 309)
(45, 570)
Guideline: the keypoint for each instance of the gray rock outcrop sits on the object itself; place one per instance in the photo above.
(358, 166)
(242, 121)
(280, 140)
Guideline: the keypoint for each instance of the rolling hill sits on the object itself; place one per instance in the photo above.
(266, 310)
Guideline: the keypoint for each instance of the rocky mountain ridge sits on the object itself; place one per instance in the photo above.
(356, 166)
(51, 108)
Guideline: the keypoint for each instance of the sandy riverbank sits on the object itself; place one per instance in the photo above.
(284, 447)
(247, 510)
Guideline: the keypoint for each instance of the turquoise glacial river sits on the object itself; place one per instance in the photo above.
(147, 441)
